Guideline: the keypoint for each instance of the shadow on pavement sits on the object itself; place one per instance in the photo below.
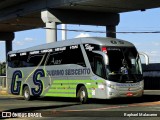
(37, 109)
(116, 101)
(128, 100)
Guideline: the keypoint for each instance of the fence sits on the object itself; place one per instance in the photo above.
(3, 82)
(151, 75)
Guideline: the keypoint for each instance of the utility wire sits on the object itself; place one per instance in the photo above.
(89, 31)
(93, 31)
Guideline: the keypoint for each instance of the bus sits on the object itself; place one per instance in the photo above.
(83, 68)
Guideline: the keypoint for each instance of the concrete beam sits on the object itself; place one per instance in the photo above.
(86, 17)
(51, 24)
(32, 6)
(65, 15)
(6, 36)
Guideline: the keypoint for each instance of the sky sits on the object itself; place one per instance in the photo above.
(136, 21)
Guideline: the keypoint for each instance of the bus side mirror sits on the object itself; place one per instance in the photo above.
(105, 56)
(146, 57)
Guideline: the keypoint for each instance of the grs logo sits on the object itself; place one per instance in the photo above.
(38, 73)
(16, 84)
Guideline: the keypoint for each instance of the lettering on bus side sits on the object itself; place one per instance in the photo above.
(38, 73)
(16, 85)
(68, 72)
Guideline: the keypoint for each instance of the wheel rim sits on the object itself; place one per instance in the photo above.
(26, 94)
(82, 95)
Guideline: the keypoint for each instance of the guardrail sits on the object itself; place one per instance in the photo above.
(3, 82)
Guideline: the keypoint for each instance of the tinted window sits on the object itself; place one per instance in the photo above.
(25, 60)
(34, 60)
(99, 68)
(56, 56)
(68, 55)
(13, 60)
(97, 63)
(124, 57)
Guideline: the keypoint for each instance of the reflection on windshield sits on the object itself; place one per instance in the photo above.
(124, 65)
(123, 61)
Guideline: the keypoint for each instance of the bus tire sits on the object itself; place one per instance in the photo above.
(82, 95)
(26, 93)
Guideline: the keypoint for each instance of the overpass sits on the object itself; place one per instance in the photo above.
(18, 15)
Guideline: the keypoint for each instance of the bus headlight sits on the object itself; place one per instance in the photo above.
(111, 86)
(142, 84)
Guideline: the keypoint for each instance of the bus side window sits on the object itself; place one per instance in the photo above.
(68, 56)
(14, 61)
(34, 60)
(97, 64)
(98, 67)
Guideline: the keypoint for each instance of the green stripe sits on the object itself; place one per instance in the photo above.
(71, 87)
(67, 88)
(63, 95)
(60, 95)
(62, 90)
(89, 95)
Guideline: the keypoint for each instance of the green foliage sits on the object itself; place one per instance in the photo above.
(2, 69)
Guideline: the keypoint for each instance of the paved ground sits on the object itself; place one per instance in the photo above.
(64, 108)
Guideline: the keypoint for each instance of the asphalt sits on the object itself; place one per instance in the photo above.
(69, 109)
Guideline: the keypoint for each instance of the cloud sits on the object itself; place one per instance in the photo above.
(28, 39)
(23, 42)
(138, 44)
(83, 35)
(19, 43)
(156, 43)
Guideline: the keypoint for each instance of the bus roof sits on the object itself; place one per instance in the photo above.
(90, 40)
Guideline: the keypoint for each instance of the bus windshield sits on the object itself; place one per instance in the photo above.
(123, 61)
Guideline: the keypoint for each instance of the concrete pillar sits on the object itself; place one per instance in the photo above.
(51, 32)
(111, 31)
(51, 26)
(8, 46)
(8, 38)
(64, 32)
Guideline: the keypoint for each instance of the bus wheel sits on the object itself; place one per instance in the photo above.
(26, 93)
(82, 95)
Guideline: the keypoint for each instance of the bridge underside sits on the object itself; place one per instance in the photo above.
(17, 15)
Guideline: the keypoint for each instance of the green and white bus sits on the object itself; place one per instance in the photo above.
(95, 67)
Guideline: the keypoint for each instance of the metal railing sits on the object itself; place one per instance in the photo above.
(3, 82)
